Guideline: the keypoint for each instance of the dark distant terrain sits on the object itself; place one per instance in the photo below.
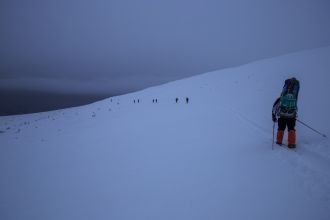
(14, 102)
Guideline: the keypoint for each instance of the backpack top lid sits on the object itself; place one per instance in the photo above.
(291, 86)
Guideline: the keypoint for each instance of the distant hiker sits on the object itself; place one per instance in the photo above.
(156, 100)
(176, 100)
(285, 107)
(153, 100)
(187, 100)
(134, 100)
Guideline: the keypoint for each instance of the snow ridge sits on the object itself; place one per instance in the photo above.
(211, 158)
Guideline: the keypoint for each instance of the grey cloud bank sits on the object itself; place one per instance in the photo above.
(118, 46)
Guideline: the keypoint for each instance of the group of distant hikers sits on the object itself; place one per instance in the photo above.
(284, 112)
(156, 100)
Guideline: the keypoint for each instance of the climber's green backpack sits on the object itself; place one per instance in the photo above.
(289, 97)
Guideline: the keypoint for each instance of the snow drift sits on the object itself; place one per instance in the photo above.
(211, 158)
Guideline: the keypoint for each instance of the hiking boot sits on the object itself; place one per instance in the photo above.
(279, 137)
(291, 146)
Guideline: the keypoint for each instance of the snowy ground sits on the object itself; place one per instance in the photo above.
(209, 159)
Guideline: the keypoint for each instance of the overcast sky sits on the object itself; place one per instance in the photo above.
(117, 46)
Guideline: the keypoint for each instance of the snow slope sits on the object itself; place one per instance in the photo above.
(209, 159)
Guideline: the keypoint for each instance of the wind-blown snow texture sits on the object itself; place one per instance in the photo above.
(209, 159)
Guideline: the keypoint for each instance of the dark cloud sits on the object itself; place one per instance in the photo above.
(116, 46)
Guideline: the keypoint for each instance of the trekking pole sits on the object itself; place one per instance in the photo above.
(312, 128)
(273, 135)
